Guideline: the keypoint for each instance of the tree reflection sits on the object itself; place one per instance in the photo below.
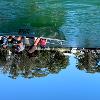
(41, 64)
(89, 60)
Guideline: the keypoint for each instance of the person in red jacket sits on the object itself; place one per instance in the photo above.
(43, 43)
(33, 48)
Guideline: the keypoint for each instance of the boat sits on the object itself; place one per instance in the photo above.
(28, 41)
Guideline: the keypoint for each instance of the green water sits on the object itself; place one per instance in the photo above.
(78, 21)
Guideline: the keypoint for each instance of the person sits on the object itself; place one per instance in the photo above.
(19, 46)
(29, 40)
(4, 40)
(33, 48)
(43, 43)
(19, 38)
(10, 41)
(0, 40)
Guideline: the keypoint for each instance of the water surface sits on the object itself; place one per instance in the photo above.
(76, 76)
(77, 21)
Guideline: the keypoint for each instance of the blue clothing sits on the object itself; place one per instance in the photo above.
(4, 40)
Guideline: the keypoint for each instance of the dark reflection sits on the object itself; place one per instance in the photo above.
(42, 63)
(88, 60)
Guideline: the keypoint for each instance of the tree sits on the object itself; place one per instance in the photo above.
(89, 60)
(43, 63)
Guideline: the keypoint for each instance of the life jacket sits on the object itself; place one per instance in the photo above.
(43, 42)
(37, 41)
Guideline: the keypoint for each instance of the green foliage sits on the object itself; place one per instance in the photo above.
(43, 63)
(3, 54)
(89, 61)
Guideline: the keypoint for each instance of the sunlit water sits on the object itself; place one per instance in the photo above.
(78, 21)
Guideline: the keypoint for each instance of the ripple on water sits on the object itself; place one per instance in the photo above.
(81, 25)
(79, 21)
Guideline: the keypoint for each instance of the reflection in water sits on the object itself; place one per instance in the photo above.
(88, 60)
(44, 62)
(41, 64)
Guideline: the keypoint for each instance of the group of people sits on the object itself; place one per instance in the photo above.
(18, 43)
